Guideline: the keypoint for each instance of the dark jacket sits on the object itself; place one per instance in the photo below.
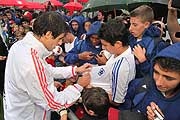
(140, 100)
(84, 45)
(148, 43)
(3, 52)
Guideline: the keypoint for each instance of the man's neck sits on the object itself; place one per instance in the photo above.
(73, 39)
(171, 93)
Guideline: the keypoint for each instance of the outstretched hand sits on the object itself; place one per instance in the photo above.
(84, 68)
(169, 5)
(85, 79)
(101, 59)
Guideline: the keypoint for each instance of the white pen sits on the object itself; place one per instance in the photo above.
(158, 115)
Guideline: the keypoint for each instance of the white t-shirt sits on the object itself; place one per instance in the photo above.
(115, 76)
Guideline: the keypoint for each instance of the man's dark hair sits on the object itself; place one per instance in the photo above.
(114, 30)
(97, 100)
(144, 12)
(35, 15)
(169, 64)
(102, 12)
(49, 21)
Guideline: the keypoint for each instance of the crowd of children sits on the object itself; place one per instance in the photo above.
(64, 60)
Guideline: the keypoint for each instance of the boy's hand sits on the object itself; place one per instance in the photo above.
(139, 53)
(101, 59)
(85, 56)
(84, 80)
(170, 7)
(150, 111)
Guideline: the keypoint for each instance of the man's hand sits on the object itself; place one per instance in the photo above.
(86, 55)
(101, 59)
(84, 68)
(152, 110)
(84, 80)
(170, 7)
(139, 53)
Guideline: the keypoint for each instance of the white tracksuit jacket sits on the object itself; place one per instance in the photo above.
(30, 93)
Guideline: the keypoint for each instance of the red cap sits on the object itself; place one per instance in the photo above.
(28, 15)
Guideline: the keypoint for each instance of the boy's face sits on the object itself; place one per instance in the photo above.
(67, 38)
(75, 25)
(137, 27)
(107, 46)
(95, 40)
(25, 24)
(87, 26)
(100, 16)
(166, 81)
(9, 16)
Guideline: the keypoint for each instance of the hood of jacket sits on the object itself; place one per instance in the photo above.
(95, 26)
(86, 20)
(152, 31)
(79, 20)
(172, 51)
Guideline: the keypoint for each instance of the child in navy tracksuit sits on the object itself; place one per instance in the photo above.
(142, 38)
(162, 90)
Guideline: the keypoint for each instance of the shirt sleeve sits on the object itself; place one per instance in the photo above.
(120, 80)
(40, 87)
(61, 72)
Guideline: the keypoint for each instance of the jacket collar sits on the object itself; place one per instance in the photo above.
(37, 45)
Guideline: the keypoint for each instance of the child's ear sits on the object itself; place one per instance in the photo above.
(48, 34)
(147, 24)
(119, 43)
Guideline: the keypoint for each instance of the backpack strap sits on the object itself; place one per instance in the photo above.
(159, 44)
(156, 41)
